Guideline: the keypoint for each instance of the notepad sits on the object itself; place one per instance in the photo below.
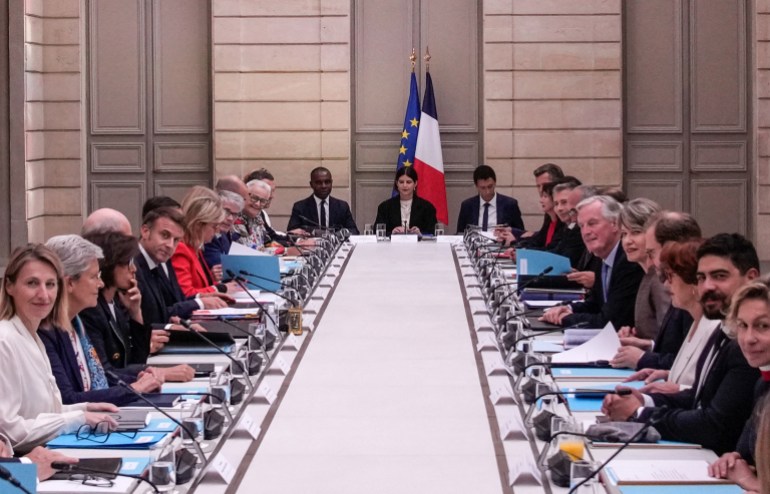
(678, 472)
(590, 373)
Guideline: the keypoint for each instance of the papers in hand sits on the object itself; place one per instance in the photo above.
(603, 346)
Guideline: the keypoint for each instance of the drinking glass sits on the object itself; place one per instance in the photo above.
(381, 231)
(573, 445)
(439, 229)
(581, 470)
(368, 229)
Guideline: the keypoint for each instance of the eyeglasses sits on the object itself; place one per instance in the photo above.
(99, 433)
(230, 213)
(90, 480)
(258, 200)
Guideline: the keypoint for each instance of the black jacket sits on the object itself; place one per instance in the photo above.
(304, 214)
(621, 296)
(423, 215)
(712, 416)
(161, 296)
(508, 213)
(673, 331)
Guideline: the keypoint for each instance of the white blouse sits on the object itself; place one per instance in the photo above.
(31, 410)
(406, 211)
(683, 370)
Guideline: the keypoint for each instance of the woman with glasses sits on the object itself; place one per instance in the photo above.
(76, 365)
(232, 204)
(31, 408)
(203, 214)
(115, 325)
(679, 265)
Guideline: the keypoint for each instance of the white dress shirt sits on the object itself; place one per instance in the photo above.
(683, 369)
(492, 215)
(31, 410)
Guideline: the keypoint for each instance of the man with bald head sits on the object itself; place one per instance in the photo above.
(106, 220)
(234, 184)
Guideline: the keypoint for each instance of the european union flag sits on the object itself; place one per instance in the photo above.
(411, 126)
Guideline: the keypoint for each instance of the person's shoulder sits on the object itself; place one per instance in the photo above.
(469, 201)
(333, 199)
(183, 250)
(504, 199)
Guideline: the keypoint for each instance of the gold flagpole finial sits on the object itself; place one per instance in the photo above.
(427, 58)
(413, 58)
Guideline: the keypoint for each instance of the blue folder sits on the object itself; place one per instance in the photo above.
(590, 373)
(265, 268)
(593, 403)
(25, 473)
(135, 465)
(142, 440)
(681, 489)
(533, 262)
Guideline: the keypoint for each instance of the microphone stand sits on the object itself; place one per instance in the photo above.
(122, 383)
(67, 467)
(186, 323)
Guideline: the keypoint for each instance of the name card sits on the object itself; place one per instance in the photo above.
(250, 425)
(403, 239)
(513, 428)
(501, 394)
(487, 341)
(481, 323)
(280, 366)
(449, 239)
(478, 307)
(474, 294)
(266, 392)
(223, 468)
(291, 343)
(363, 239)
(495, 366)
(524, 471)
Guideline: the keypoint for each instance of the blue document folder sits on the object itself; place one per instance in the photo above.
(591, 373)
(116, 440)
(681, 489)
(533, 262)
(264, 271)
(25, 473)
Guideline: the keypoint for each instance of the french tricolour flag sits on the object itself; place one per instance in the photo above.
(428, 160)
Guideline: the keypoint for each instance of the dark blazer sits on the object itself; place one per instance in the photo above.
(714, 416)
(423, 215)
(219, 246)
(537, 241)
(161, 297)
(304, 214)
(568, 242)
(676, 324)
(121, 343)
(621, 296)
(748, 440)
(66, 370)
(508, 213)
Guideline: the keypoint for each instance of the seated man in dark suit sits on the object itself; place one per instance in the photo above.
(489, 208)
(320, 209)
(613, 296)
(711, 413)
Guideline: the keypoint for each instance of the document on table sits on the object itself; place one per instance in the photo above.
(603, 346)
(662, 472)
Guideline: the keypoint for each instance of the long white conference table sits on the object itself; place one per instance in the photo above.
(388, 396)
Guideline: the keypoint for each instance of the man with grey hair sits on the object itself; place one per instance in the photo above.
(106, 220)
(232, 204)
(612, 297)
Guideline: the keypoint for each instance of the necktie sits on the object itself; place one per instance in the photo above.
(605, 279)
(485, 218)
(323, 213)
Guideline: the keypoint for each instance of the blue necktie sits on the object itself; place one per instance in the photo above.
(485, 218)
(606, 269)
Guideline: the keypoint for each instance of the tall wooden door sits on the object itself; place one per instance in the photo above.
(687, 117)
(149, 96)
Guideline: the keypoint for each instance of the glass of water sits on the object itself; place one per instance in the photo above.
(368, 230)
(381, 231)
(439, 229)
(579, 471)
(163, 470)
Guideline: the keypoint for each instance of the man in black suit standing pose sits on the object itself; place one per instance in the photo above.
(489, 208)
(320, 209)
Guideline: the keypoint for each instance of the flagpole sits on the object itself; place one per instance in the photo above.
(426, 58)
(413, 58)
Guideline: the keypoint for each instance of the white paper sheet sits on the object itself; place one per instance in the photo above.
(603, 346)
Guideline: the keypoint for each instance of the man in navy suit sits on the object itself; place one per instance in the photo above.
(320, 210)
(489, 208)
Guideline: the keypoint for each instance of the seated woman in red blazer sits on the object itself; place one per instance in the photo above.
(202, 215)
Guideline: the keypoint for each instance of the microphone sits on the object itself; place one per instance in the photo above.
(537, 278)
(6, 475)
(139, 395)
(67, 467)
(294, 316)
(187, 323)
(241, 330)
(654, 419)
(240, 282)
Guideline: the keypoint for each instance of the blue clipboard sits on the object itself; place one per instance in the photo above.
(265, 270)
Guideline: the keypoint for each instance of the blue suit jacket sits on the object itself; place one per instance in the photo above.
(66, 370)
(219, 246)
(508, 213)
(339, 215)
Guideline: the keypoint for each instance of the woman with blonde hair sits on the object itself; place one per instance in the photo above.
(31, 409)
(203, 214)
